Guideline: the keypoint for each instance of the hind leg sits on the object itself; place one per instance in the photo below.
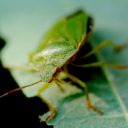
(84, 86)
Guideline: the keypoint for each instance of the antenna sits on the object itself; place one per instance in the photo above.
(20, 88)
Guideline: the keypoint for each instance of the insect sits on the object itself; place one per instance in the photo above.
(58, 49)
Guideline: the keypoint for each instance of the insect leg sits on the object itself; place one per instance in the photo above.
(100, 64)
(83, 85)
(116, 47)
(21, 68)
(59, 84)
(97, 48)
(51, 107)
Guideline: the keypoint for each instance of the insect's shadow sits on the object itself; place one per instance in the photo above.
(16, 110)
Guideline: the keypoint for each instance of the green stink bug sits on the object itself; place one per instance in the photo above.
(58, 49)
(60, 44)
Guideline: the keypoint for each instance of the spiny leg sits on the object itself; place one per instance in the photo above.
(84, 86)
(50, 106)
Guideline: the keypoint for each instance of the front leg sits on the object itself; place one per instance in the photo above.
(50, 106)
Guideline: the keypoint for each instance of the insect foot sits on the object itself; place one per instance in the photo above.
(92, 107)
(52, 115)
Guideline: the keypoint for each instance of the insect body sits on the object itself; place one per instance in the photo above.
(59, 48)
(60, 44)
